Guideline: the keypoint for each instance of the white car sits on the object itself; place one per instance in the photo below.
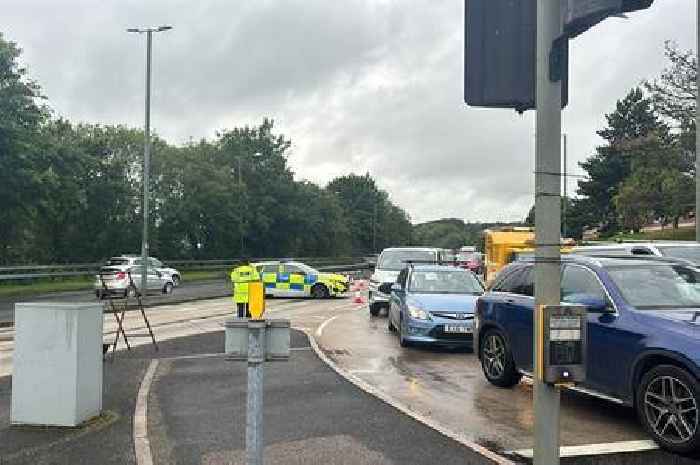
(683, 250)
(390, 263)
(135, 260)
(125, 281)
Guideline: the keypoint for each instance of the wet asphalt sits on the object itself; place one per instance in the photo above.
(449, 386)
(197, 412)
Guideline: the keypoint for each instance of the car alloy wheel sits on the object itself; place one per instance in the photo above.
(319, 291)
(493, 355)
(671, 409)
(497, 361)
(176, 280)
(168, 288)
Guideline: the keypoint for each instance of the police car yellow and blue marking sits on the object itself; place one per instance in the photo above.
(302, 283)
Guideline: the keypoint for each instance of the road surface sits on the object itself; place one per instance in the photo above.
(183, 293)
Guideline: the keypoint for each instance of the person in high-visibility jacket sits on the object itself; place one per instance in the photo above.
(240, 277)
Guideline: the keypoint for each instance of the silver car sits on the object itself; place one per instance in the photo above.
(390, 263)
(680, 250)
(135, 260)
(125, 281)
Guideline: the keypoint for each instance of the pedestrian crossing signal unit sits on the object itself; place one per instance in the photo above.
(501, 47)
(563, 345)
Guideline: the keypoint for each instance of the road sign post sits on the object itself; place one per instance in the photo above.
(256, 341)
(547, 223)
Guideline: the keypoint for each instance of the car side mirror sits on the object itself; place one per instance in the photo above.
(593, 303)
(386, 288)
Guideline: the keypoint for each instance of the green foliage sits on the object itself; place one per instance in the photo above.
(21, 117)
(452, 233)
(372, 221)
(673, 93)
(632, 119)
(73, 193)
(659, 186)
(572, 226)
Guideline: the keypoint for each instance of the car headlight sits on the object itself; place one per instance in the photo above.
(418, 313)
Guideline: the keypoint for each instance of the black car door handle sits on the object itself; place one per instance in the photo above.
(509, 300)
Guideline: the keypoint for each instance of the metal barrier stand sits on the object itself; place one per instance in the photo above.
(119, 312)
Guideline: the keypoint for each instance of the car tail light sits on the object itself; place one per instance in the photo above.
(120, 275)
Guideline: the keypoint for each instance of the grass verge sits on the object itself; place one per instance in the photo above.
(79, 283)
(670, 234)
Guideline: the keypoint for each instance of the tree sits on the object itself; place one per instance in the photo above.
(659, 186)
(632, 119)
(569, 219)
(370, 214)
(21, 116)
(674, 92)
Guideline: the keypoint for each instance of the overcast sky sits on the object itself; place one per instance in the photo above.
(357, 85)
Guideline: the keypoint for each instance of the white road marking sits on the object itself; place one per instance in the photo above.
(598, 449)
(319, 331)
(142, 448)
(429, 422)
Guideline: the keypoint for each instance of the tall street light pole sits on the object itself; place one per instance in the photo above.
(147, 150)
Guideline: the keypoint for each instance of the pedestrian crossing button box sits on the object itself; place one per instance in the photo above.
(564, 345)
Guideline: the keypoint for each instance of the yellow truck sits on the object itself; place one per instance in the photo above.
(501, 246)
(508, 244)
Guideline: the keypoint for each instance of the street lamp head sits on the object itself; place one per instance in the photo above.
(149, 29)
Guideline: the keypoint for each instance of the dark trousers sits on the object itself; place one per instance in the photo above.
(243, 310)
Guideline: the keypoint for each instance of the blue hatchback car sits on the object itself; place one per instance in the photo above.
(433, 304)
(643, 336)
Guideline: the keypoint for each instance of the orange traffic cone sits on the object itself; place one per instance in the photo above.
(358, 298)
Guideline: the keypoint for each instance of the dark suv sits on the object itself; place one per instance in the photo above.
(643, 336)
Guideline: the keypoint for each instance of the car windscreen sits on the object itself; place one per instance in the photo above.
(396, 260)
(657, 287)
(117, 261)
(690, 253)
(444, 282)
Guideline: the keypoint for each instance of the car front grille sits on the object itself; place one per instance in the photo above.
(457, 316)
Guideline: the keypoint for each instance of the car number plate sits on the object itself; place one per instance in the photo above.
(459, 329)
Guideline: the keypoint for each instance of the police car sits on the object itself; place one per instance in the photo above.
(296, 279)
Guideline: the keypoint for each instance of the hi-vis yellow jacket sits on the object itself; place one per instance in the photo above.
(240, 277)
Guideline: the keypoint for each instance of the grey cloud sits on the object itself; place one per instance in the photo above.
(357, 85)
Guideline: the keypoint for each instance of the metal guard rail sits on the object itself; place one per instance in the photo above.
(22, 272)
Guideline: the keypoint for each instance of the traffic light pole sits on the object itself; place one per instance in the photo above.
(547, 224)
